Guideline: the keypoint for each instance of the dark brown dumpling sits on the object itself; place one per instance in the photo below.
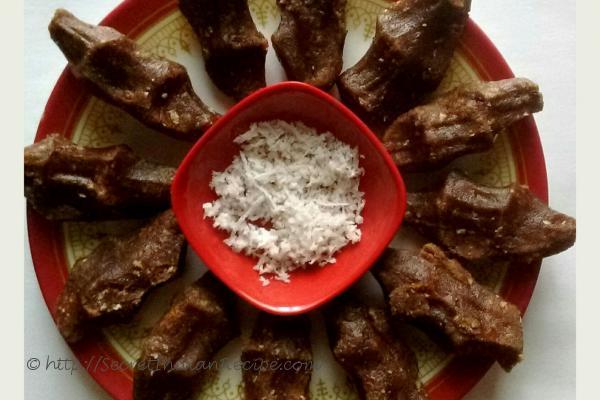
(111, 282)
(234, 51)
(437, 293)
(156, 91)
(177, 356)
(378, 360)
(410, 54)
(480, 223)
(464, 120)
(277, 359)
(310, 40)
(65, 181)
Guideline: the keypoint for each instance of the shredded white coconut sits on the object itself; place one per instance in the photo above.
(290, 198)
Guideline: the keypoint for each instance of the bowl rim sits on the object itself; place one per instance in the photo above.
(178, 198)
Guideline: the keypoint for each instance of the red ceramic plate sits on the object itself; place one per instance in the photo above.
(158, 27)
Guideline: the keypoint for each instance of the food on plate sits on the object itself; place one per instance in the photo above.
(177, 355)
(156, 91)
(410, 54)
(277, 359)
(233, 50)
(480, 223)
(381, 365)
(290, 198)
(464, 120)
(65, 181)
(437, 292)
(110, 283)
(310, 39)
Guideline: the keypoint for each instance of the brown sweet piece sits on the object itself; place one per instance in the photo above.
(413, 45)
(461, 121)
(111, 282)
(310, 39)
(177, 356)
(64, 181)
(234, 51)
(480, 223)
(277, 359)
(432, 290)
(381, 365)
(156, 91)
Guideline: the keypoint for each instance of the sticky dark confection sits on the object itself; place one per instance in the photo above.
(177, 356)
(310, 39)
(110, 283)
(381, 365)
(480, 223)
(156, 91)
(277, 359)
(234, 51)
(435, 291)
(464, 120)
(64, 181)
(410, 54)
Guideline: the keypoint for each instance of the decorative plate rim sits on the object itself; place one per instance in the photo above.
(46, 240)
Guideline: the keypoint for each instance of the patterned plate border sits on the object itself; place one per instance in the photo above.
(68, 100)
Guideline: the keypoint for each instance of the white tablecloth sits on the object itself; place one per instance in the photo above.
(537, 37)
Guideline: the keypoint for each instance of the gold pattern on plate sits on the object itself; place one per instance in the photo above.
(263, 10)
(102, 124)
(362, 15)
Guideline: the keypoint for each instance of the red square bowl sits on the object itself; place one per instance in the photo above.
(385, 198)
